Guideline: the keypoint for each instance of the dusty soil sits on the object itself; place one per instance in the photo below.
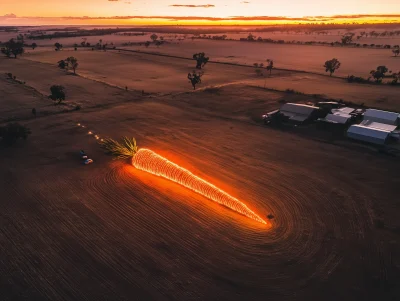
(109, 232)
(332, 36)
(354, 61)
(385, 97)
(150, 73)
(158, 74)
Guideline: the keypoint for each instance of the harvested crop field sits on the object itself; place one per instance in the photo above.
(108, 231)
(150, 73)
(355, 61)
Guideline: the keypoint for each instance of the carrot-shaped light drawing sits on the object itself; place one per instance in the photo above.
(151, 162)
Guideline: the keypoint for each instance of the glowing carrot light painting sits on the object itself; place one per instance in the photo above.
(149, 161)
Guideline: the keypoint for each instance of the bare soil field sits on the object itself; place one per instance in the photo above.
(330, 36)
(385, 97)
(17, 100)
(43, 76)
(110, 232)
(301, 34)
(355, 61)
(106, 39)
(140, 71)
(158, 74)
(5, 36)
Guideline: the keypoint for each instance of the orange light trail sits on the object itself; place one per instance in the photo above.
(153, 163)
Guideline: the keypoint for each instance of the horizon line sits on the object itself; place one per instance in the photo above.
(132, 20)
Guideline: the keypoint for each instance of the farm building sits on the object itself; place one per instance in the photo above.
(336, 118)
(382, 116)
(378, 125)
(328, 105)
(339, 116)
(299, 112)
(368, 134)
(343, 111)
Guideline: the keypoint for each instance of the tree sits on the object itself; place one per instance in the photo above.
(332, 65)
(57, 93)
(201, 59)
(194, 78)
(10, 133)
(147, 44)
(154, 37)
(62, 64)
(13, 48)
(5, 51)
(58, 46)
(20, 37)
(251, 37)
(162, 38)
(379, 73)
(34, 45)
(347, 38)
(396, 51)
(72, 63)
(270, 66)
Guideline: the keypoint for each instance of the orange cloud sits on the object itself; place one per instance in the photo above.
(192, 5)
(8, 16)
(13, 19)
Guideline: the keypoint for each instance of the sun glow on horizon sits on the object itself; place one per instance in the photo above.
(196, 12)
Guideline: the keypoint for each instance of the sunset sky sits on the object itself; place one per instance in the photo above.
(212, 12)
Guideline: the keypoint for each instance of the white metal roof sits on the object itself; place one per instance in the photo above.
(298, 108)
(343, 118)
(344, 110)
(368, 134)
(389, 117)
(378, 125)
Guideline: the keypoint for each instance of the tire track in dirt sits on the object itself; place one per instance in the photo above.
(293, 237)
(297, 237)
(129, 231)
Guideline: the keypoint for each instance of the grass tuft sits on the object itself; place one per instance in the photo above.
(125, 149)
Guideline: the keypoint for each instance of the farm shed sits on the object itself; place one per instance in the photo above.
(382, 116)
(299, 112)
(336, 118)
(342, 111)
(368, 134)
(377, 125)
